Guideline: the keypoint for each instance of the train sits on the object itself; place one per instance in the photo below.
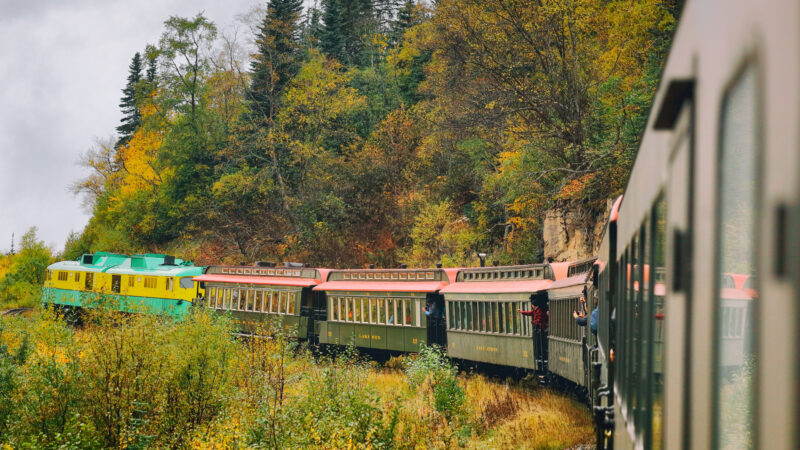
(694, 335)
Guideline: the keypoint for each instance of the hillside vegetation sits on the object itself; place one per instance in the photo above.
(145, 381)
(375, 131)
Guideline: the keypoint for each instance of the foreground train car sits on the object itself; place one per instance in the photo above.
(262, 293)
(485, 320)
(710, 359)
(386, 309)
(149, 283)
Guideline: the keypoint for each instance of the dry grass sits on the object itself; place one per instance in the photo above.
(501, 414)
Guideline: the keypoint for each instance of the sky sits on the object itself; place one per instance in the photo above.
(62, 69)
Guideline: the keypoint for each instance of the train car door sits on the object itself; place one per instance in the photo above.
(116, 283)
(437, 324)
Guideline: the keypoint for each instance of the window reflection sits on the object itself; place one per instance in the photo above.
(735, 355)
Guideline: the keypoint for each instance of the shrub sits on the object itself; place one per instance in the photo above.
(433, 372)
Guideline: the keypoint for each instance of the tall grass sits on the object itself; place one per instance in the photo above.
(150, 382)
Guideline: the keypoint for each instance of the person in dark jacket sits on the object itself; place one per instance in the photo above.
(580, 319)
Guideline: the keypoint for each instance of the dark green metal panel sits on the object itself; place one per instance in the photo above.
(362, 335)
(378, 337)
(514, 351)
(566, 359)
(395, 338)
(414, 338)
(346, 334)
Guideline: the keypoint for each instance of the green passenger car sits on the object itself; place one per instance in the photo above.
(570, 346)
(484, 319)
(148, 283)
(264, 293)
(385, 309)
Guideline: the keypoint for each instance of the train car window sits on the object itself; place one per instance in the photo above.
(89, 282)
(235, 298)
(645, 349)
(63, 276)
(500, 318)
(170, 282)
(736, 357)
(396, 311)
(210, 297)
(657, 321)
(186, 282)
(282, 303)
(633, 320)
(622, 328)
(382, 311)
(218, 297)
(333, 308)
(292, 302)
(250, 299)
(258, 300)
(78, 277)
(473, 316)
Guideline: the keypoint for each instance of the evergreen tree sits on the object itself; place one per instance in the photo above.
(150, 76)
(130, 113)
(278, 58)
(347, 27)
(312, 27)
(405, 20)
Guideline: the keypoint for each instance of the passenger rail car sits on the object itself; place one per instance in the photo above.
(571, 348)
(484, 310)
(264, 293)
(386, 309)
(698, 341)
(148, 283)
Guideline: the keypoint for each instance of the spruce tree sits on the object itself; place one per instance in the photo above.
(278, 58)
(405, 19)
(347, 27)
(130, 112)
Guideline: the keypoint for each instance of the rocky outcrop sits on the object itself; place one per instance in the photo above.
(573, 232)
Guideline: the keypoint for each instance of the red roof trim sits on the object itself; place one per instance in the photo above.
(612, 217)
(244, 279)
(384, 286)
(497, 287)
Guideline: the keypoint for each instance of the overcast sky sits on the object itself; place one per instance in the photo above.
(62, 67)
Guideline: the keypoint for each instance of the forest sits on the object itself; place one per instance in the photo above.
(374, 131)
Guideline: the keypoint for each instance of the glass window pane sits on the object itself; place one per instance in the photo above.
(234, 299)
(738, 211)
(659, 227)
(250, 301)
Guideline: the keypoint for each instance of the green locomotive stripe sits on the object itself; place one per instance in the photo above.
(124, 303)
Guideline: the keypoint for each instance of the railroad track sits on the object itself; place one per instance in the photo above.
(15, 311)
